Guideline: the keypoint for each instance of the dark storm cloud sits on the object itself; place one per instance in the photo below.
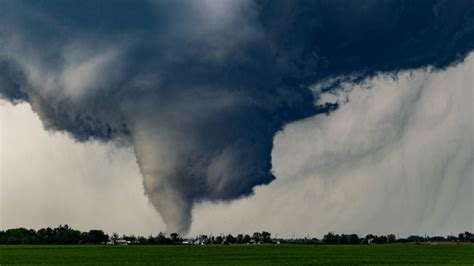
(199, 88)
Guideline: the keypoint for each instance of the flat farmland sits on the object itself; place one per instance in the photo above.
(238, 254)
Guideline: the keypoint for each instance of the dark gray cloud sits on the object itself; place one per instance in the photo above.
(199, 88)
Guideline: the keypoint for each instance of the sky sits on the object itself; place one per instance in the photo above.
(406, 169)
(207, 116)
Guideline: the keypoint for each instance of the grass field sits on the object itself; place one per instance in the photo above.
(240, 255)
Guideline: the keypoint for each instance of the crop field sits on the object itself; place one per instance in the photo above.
(239, 254)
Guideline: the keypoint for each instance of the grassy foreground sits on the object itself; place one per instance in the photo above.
(239, 255)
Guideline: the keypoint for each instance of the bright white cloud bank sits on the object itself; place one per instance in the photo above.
(396, 157)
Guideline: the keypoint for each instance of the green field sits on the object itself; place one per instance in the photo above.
(239, 254)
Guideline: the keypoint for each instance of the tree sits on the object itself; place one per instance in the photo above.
(30, 240)
(354, 239)
(468, 236)
(414, 238)
(131, 238)
(382, 240)
(151, 240)
(162, 239)
(266, 237)
(229, 239)
(99, 237)
(257, 237)
(15, 236)
(330, 238)
(114, 237)
(45, 235)
(343, 239)
(174, 238)
(142, 240)
(391, 238)
(368, 239)
(240, 239)
(85, 239)
(246, 239)
(218, 240)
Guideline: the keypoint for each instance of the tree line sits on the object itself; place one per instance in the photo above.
(64, 235)
(60, 235)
